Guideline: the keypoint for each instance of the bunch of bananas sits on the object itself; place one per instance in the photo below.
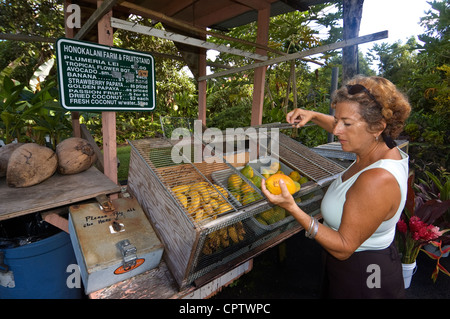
(201, 200)
(223, 238)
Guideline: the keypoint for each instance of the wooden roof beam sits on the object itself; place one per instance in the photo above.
(210, 17)
(188, 27)
(134, 27)
(302, 54)
(254, 4)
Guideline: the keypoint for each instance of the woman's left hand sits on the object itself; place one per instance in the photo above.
(284, 200)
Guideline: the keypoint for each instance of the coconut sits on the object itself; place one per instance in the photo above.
(75, 155)
(5, 154)
(30, 164)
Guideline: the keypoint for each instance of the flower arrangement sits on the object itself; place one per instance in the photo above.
(412, 235)
(416, 226)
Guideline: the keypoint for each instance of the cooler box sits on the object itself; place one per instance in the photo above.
(111, 246)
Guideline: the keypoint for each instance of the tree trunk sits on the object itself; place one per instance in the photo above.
(352, 21)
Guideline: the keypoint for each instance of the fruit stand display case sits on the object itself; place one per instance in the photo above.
(203, 220)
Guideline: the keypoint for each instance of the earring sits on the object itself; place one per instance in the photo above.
(376, 138)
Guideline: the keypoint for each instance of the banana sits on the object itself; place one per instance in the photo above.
(203, 189)
(183, 199)
(240, 230)
(206, 248)
(209, 210)
(214, 203)
(221, 190)
(233, 234)
(195, 200)
(200, 215)
(180, 188)
(214, 240)
(223, 207)
(224, 239)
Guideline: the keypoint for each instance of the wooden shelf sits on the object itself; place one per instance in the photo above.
(58, 190)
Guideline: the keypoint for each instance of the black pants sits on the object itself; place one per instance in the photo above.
(365, 274)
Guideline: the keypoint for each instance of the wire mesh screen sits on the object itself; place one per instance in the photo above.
(301, 158)
(227, 209)
(201, 190)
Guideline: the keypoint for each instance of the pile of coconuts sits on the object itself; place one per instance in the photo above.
(28, 164)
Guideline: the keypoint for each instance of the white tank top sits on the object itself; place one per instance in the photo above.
(334, 199)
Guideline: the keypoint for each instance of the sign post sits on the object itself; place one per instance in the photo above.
(97, 77)
(94, 77)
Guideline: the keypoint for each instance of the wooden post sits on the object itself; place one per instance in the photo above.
(105, 36)
(334, 87)
(262, 37)
(202, 86)
(352, 21)
(70, 33)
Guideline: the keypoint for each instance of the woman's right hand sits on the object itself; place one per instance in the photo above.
(299, 117)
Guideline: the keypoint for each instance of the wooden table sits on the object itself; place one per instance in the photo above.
(59, 190)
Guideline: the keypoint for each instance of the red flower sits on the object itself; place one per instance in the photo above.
(401, 226)
(422, 231)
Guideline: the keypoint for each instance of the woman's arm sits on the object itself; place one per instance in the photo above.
(299, 117)
(373, 198)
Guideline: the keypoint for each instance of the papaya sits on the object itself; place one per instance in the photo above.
(272, 184)
(234, 182)
(247, 171)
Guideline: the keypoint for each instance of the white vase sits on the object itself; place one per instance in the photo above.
(408, 272)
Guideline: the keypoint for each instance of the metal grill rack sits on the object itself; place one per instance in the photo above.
(201, 240)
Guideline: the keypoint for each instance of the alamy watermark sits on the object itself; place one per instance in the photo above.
(73, 20)
(74, 278)
(213, 145)
(374, 279)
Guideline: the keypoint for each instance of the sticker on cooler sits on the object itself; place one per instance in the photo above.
(124, 269)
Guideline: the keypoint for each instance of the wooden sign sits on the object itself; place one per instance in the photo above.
(94, 77)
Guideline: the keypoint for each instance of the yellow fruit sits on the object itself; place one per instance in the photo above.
(200, 187)
(234, 182)
(303, 180)
(266, 173)
(208, 208)
(297, 186)
(257, 181)
(261, 220)
(248, 198)
(233, 234)
(272, 215)
(200, 215)
(245, 188)
(247, 171)
(272, 184)
(275, 166)
(295, 176)
(180, 188)
(221, 190)
(279, 172)
(195, 200)
(183, 199)
(236, 195)
(224, 207)
(224, 239)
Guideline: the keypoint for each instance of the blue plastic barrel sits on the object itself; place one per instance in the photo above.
(39, 270)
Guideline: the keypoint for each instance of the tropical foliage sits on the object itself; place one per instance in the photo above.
(420, 67)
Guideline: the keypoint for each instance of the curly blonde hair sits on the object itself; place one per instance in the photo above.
(381, 93)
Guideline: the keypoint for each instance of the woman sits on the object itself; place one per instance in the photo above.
(362, 206)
